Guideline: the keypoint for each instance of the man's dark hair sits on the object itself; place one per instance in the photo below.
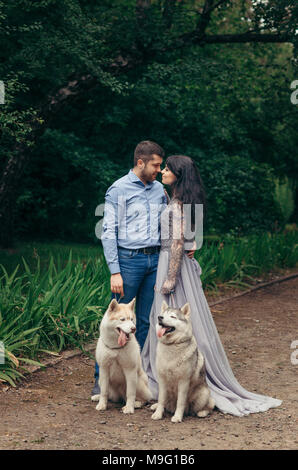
(145, 149)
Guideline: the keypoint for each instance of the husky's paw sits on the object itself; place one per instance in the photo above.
(138, 404)
(154, 406)
(128, 409)
(157, 415)
(176, 419)
(203, 413)
(101, 407)
(95, 397)
(211, 404)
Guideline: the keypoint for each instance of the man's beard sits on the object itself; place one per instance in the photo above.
(146, 176)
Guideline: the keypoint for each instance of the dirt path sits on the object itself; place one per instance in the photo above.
(52, 408)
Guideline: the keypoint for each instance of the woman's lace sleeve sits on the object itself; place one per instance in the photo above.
(176, 248)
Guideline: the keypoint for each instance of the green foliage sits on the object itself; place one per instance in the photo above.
(222, 104)
(240, 196)
(47, 311)
(14, 124)
(236, 261)
(61, 201)
(57, 39)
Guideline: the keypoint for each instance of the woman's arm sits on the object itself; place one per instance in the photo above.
(177, 249)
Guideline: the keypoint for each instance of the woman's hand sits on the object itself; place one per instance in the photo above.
(190, 253)
(168, 287)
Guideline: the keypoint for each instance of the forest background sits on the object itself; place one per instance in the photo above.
(86, 81)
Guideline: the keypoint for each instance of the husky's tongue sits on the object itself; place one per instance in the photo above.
(161, 331)
(122, 340)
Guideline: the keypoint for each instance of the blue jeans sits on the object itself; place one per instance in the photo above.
(138, 272)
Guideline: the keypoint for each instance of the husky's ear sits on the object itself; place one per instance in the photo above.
(186, 310)
(132, 304)
(164, 306)
(113, 306)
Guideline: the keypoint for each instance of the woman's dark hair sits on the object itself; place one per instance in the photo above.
(188, 188)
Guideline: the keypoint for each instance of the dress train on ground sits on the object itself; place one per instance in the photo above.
(229, 395)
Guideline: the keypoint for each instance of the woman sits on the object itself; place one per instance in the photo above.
(178, 281)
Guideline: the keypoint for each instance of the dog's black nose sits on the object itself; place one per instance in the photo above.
(160, 318)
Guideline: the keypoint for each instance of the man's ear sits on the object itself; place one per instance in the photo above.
(113, 306)
(141, 164)
(164, 306)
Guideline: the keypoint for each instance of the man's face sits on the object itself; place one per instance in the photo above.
(152, 168)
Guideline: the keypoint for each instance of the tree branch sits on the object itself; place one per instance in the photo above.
(204, 18)
(73, 89)
(246, 37)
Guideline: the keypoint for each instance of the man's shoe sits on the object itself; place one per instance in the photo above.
(95, 391)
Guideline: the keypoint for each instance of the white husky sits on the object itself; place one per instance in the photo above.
(180, 367)
(121, 376)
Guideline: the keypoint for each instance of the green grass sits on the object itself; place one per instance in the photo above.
(32, 250)
(53, 296)
(48, 310)
(236, 261)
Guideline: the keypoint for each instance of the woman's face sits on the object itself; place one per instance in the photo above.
(168, 177)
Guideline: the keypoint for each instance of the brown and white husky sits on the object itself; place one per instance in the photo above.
(121, 376)
(180, 367)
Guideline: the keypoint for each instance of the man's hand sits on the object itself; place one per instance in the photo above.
(117, 284)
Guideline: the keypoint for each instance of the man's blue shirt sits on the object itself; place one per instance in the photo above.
(131, 216)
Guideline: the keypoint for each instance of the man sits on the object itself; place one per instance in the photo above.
(131, 235)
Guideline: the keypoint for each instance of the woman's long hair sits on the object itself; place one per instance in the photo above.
(188, 188)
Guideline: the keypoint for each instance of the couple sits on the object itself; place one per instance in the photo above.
(153, 268)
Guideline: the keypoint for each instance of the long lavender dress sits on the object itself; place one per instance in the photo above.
(229, 395)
